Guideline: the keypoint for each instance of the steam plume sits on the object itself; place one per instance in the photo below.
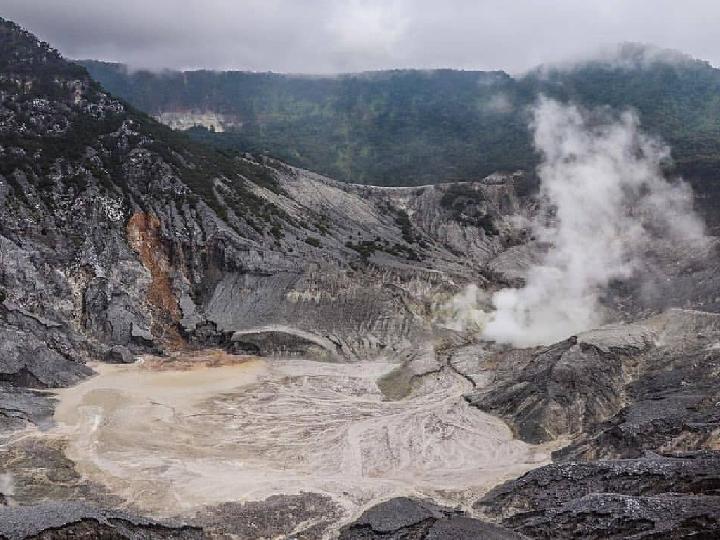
(605, 199)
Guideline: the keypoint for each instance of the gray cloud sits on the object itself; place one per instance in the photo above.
(326, 36)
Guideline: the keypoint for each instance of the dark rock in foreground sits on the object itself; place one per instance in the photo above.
(613, 516)
(620, 390)
(671, 408)
(309, 515)
(119, 355)
(404, 518)
(556, 390)
(641, 403)
(653, 497)
(21, 406)
(64, 520)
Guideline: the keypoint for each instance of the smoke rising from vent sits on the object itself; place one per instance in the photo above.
(604, 201)
(7, 485)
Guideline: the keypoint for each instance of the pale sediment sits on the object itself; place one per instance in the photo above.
(175, 440)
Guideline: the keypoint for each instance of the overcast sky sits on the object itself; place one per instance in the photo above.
(326, 36)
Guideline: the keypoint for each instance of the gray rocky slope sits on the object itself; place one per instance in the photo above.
(118, 237)
(639, 404)
(115, 235)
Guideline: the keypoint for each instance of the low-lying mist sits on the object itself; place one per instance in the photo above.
(603, 202)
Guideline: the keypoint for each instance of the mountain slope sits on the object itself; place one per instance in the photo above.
(385, 128)
(677, 99)
(118, 232)
(417, 127)
(119, 237)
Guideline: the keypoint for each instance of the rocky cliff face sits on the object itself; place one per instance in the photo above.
(639, 405)
(118, 236)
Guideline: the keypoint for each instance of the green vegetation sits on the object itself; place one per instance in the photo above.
(60, 126)
(197, 164)
(314, 242)
(460, 195)
(403, 221)
(418, 127)
(386, 128)
(462, 201)
(366, 248)
(323, 225)
(276, 231)
(677, 100)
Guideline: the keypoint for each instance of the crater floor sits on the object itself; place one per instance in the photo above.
(175, 436)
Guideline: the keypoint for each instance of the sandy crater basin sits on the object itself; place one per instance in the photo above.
(175, 436)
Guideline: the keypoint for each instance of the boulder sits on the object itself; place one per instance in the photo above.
(413, 519)
(119, 354)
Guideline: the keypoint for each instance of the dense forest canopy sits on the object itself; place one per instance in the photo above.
(410, 127)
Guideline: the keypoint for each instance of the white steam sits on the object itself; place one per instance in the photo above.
(462, 312)
(7, 486)
(604, 201)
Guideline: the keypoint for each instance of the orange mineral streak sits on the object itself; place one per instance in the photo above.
(143, 234)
